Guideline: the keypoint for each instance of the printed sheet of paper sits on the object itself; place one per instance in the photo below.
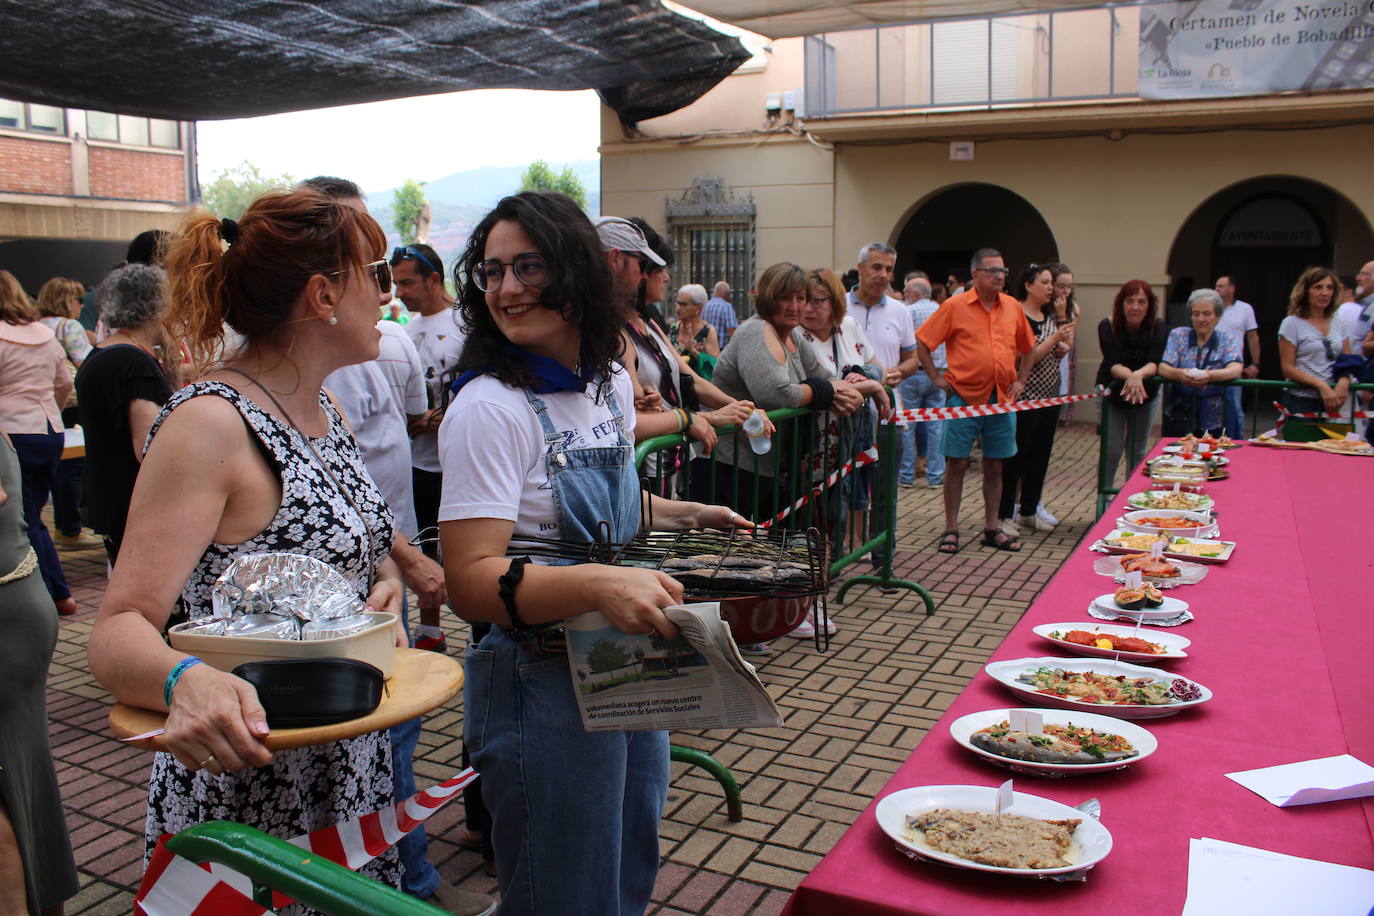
(1244, 881)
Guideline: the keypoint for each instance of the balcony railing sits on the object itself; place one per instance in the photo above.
(1017, 59)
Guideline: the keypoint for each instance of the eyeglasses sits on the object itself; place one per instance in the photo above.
(818, 301)
(995, 271)
(409, 253)
(1063, 287)
(1330, 351)
(529, 268)
(381, 273)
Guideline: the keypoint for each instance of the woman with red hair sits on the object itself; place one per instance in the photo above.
(1132, 345)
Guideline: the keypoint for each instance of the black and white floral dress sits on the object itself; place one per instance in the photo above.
(309, 788)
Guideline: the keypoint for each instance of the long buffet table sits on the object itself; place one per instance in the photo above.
(1282, 636)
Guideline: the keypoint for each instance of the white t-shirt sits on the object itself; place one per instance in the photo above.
(1236, 320)
(364, 395)
(492, 449)
(400, 363)
(439, 342)
(888, 327)
(1349, 315)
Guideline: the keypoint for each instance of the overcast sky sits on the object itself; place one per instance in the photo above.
(381, 144)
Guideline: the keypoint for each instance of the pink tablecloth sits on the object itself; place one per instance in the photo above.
(1282, 637)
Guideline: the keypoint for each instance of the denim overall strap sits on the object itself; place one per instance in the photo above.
(591, 485)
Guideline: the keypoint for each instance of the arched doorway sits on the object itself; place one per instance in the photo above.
(1263, 233)
(945, 229)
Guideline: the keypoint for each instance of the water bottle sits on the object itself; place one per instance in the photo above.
(753, 427)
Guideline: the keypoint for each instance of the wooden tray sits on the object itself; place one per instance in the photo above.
(1320, 446)
(423, 681)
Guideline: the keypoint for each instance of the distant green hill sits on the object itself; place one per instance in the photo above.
(459, 200)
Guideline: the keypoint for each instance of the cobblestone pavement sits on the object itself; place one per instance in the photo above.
(853, 715)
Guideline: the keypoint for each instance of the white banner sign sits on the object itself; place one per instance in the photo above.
(1252, 47)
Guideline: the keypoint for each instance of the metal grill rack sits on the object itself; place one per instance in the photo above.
(714, 565)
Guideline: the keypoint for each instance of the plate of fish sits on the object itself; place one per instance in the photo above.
(1067, 743)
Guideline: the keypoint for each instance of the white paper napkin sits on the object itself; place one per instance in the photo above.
(1309, 782)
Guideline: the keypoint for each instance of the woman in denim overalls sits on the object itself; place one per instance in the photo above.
(538, 440)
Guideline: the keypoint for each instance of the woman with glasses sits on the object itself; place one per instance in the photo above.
(538, 441)
(1132, 342)
(1024, 473)
(1194, 360)
(252, 458)
(843, 349)
(1311, 337)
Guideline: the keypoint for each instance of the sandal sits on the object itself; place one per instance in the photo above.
(995, 537)
(949, 542)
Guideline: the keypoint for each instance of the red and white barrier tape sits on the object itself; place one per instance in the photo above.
(1357, 415)
(859, 460)
(173, 886)
(923, 414)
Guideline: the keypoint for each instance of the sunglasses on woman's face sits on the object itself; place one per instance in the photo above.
(381, 272)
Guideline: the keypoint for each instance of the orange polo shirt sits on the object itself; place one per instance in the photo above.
(981, 344)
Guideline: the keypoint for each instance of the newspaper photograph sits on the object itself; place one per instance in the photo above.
(695, 680)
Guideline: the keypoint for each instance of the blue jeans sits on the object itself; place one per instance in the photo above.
(1235, 413)
(576, 813)
(921, 438)
(39, 454)
(419, 877)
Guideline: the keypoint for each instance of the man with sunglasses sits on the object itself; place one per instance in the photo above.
(418, 274)
(986, 337)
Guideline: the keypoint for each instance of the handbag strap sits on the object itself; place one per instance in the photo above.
(348, 497)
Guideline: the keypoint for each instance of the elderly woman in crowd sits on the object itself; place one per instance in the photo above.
(843, 349)
(538, 441)
(1310, 340)
(122, 387)
(35, 378)
(1024, 473)
(1195, 359)
(253, 458)
(59, 302)
(1132, 342)
(769, 363)
(693, 335)
(36, 868)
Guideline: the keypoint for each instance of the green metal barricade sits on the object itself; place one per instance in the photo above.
(276, 865)
(807, 449)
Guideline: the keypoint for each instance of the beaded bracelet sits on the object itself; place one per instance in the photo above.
(175, 674)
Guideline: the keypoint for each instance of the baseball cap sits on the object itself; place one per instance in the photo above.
(625, 235)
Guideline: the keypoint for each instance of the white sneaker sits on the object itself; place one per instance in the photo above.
(807, 629)
(1044, 514)
(1009, 528)
(1033, 523)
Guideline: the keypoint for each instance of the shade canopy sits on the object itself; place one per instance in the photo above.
(214, 59)
(790, 18)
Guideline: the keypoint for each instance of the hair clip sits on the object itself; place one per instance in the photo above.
(229, 231)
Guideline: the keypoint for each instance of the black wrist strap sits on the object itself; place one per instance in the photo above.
(507, 583)
(822, 393)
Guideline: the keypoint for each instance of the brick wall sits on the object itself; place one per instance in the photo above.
(35, 166)
(137, 175)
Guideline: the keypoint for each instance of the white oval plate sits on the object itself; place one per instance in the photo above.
(1171, 607)
(1202, 502)
(1091, 841)
(1173, 644)
(963, 729)
(1130, 522)
(1007, 672)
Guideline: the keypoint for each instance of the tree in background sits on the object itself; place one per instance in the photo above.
(539, 177)
(406, 206)
(235, 188)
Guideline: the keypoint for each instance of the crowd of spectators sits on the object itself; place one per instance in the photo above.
(251, 385)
